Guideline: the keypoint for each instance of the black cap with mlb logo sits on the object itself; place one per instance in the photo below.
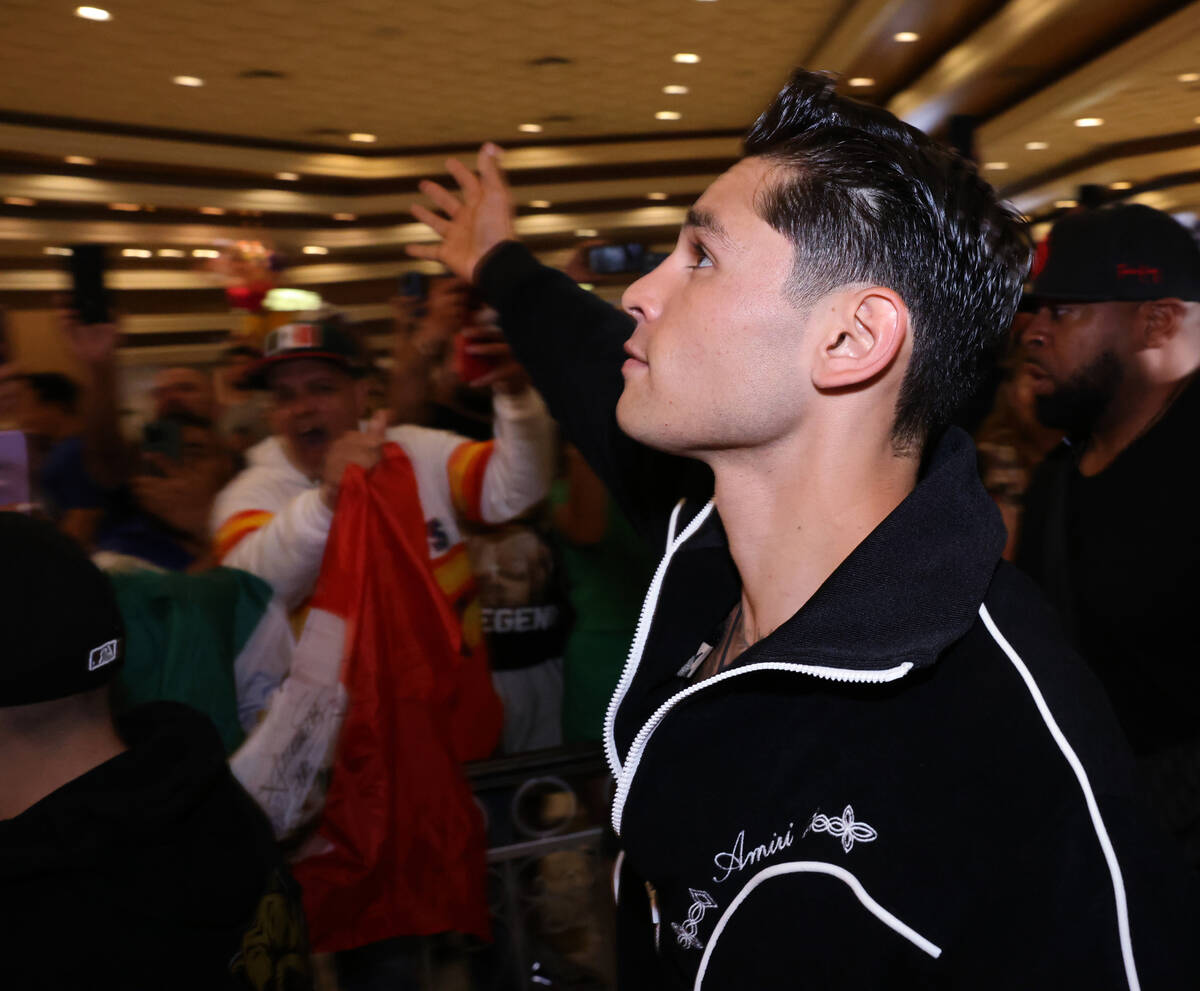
(1127, 252)
(323, 338)
(62, 628)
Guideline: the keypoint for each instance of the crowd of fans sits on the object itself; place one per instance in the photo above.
(243, 466)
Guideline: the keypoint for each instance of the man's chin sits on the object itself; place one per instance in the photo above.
(630, 421)
(640, 424)
(307, 456)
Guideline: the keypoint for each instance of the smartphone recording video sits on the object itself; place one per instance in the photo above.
(89, 298)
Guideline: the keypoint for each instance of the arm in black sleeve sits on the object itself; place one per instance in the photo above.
(571, 343)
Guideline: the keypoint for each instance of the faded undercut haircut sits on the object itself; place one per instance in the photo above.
(865, 198)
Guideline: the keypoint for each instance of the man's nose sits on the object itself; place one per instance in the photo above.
(643, 299)
(1037, 331)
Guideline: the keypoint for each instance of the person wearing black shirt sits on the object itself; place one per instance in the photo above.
(851, 748)
(130, 857)
(1109, 528)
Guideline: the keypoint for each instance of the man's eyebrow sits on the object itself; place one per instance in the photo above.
(705, 221)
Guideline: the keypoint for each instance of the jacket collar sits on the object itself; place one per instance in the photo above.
(911, 588)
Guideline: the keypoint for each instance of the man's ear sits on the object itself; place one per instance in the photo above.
(866, 332)
(1158, 321)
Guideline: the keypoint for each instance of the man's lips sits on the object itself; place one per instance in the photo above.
(635, 360)
(312, 437)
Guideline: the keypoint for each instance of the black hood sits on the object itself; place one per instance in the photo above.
(172, 766)
(163, 828)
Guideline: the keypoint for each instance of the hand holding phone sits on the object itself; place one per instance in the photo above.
(89, 298)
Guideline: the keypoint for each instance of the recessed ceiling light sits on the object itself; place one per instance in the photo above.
(675, 90)
(585, 232)
(530, 128)
(1196, 120)
(79, 160)
(687, 58)
(657, 196)
(906, 37)
(93, 13)
(213, 211)
(170, 253)
(192, 81)
(363, 137)
(314, 249)
(136, 253)
(1120, 184)
(126, 207)
(1189, 77)
(1066, 204)
(287, 176)
(858, 82)
(1036, 145)
(345, 216)
(19, 201)
(995, 166)
(205, 253)
(1088, 121)
(668, 115)
(62, 252)
(540, 204)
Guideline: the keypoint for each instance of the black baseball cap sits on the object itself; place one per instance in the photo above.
(63, 629)
(323, 339)
(1127, 252)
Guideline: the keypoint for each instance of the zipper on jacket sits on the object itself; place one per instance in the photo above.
(634, 757)
(643, 628)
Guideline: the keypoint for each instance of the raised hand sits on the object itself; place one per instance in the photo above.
(504, 375)
(473, 224)
(356, 447)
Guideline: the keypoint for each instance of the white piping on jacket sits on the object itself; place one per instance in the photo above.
(643, 629)
(616, 878)
(814, 867)
(623, 773)
(637, 748)
(1114, 868)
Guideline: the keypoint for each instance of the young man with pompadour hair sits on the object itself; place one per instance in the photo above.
(851, 747)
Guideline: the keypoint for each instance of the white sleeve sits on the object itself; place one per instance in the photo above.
(521, 468)
(283, 546)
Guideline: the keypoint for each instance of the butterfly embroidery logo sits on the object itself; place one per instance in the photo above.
(846, 828)
(685, 934)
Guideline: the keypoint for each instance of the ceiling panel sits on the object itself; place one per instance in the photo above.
(443, 72)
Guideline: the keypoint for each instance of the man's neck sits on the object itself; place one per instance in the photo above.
(1130, 417)
(32, 767)
(793, 514)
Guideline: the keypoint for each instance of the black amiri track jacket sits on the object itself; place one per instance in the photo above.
(913, 782)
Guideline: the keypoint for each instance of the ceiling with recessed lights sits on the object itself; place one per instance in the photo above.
(166, 129)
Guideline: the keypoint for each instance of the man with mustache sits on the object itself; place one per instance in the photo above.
(1110, 529)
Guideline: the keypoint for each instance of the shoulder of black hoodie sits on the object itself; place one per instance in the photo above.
(154, 869)
(571, 343)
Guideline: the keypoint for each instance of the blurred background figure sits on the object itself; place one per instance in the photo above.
(131, 834)
(1109, 529)
(608, 568)
(151, 498)
(243, 412)
(48, 412)
(1011, 440)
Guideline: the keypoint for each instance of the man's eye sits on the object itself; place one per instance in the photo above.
(701, 256)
